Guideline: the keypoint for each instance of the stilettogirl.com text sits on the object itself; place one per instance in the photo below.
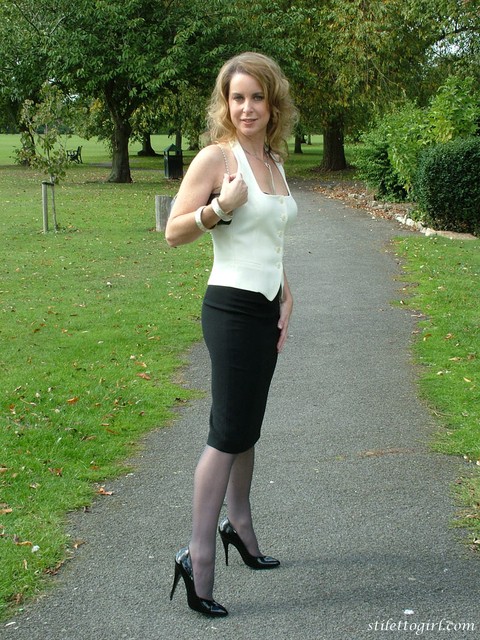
(419, 628)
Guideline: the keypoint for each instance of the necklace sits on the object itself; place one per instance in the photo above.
(267, 164)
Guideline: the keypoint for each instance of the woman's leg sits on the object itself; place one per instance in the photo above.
(238, 499)
(210, 484)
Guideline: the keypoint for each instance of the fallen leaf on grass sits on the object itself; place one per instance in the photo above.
(4, 512)
(54, 570)
(20, 543)
(55, 472)
(145, 376)
(73, 400)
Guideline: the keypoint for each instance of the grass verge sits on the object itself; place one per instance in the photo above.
(446, 275)
(95, 322)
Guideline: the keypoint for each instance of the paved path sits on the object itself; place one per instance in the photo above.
(346, 491)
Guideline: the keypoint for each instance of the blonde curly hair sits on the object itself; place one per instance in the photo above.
(276, 88)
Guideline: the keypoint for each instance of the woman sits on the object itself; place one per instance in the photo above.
(247, 304)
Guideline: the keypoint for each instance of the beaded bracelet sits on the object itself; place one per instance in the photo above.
(198, 220)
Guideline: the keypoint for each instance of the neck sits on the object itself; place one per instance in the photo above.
(254, 146)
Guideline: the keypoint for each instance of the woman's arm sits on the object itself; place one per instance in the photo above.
(286, 307)
(204, 177)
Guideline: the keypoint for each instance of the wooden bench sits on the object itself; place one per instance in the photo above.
(75, 155)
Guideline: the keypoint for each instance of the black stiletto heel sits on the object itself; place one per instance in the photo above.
(183, 568)
(230, 536)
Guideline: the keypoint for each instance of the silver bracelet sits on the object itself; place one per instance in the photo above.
(198, 220)
(218, 211)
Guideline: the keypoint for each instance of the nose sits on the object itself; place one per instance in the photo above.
(247, 106)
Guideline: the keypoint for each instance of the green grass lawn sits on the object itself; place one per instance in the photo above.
(96, 319)
(95, 323)
(446, 278)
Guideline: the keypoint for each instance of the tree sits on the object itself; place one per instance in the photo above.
(356, 55)
(115, 51)
(45, 124)
(129, 53)
(23, 30)
(356, 58)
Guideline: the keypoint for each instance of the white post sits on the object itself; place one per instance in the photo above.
(162, 211)
(45, 206)
(54, 211)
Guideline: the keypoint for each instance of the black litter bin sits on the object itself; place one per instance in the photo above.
(173, 160)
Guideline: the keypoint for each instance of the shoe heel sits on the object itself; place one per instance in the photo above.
(225, 546)
(175, 580)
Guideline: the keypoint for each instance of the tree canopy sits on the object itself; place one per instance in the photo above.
(147, 61)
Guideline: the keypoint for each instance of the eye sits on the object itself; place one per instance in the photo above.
(259, 98)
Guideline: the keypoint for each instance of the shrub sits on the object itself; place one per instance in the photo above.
(454, 111)
(447, 185)
(388, 160)
(375, 168)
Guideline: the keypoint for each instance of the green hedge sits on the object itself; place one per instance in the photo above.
(447, 186)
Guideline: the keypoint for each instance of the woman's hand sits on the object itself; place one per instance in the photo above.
(234, 192)
(286, 307)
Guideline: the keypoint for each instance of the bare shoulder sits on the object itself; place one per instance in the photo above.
(208, 157)
(218, 157)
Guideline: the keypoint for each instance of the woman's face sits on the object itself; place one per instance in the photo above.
(248, 107)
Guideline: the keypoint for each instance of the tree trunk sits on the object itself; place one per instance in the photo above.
(298, 143)
(120, 160)
(333, 147)
(178, 140)
(147, 149)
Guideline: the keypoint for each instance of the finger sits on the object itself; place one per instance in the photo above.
(283, 336)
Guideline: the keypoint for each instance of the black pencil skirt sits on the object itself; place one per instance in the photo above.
(241, 334)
